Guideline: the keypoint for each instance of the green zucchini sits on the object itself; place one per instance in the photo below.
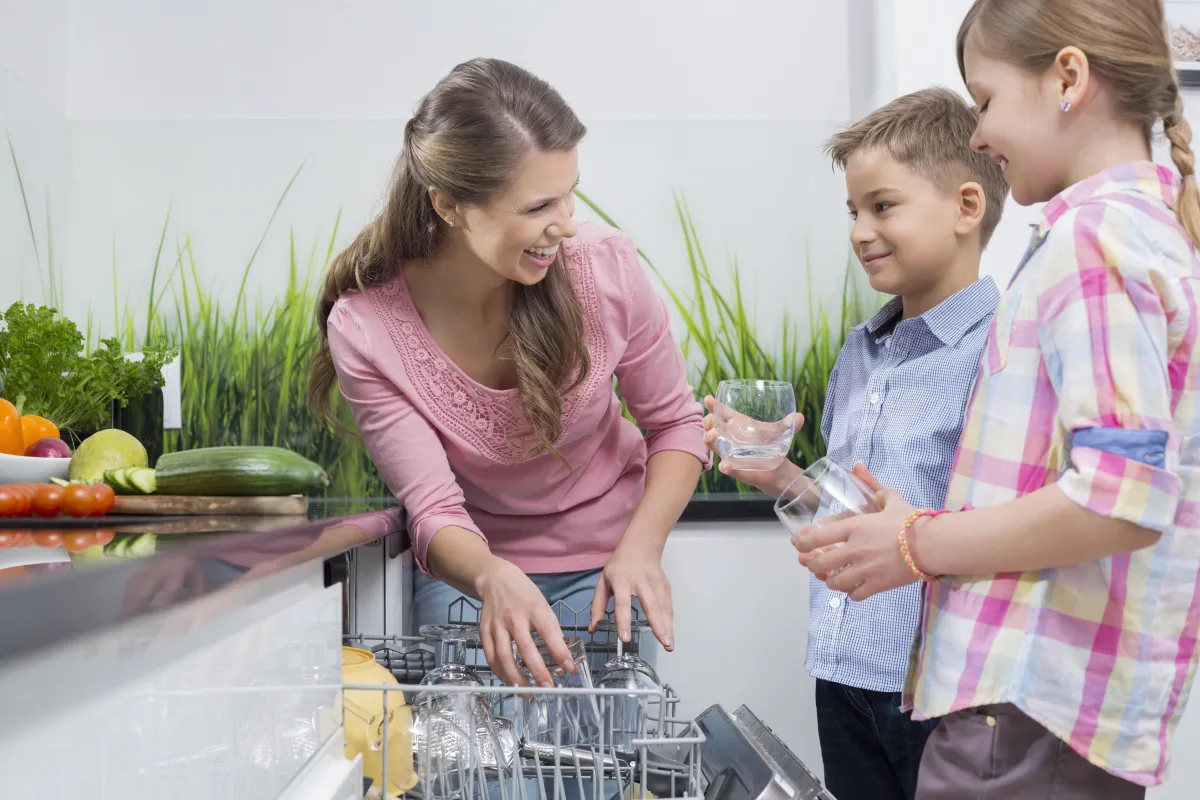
(238, 471)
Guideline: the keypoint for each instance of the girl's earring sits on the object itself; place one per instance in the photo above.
(450, 222)
(1066, 105)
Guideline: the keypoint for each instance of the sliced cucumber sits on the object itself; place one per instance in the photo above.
(116, 479)
(60, 482)
(142, 479)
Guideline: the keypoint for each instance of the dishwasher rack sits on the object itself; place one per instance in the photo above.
(514, 754)
(496, 758)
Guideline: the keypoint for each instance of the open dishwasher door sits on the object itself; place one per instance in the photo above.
(744, 760)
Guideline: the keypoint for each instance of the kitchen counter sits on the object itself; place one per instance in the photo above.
(191, 558)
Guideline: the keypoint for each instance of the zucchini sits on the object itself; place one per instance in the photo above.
(238, 471)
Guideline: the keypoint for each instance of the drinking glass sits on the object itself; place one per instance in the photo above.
(824, 493)
(755, 421)
(558, 719)
(627, 715)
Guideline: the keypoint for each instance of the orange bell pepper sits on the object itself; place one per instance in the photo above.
(12, 439)
(35, 428)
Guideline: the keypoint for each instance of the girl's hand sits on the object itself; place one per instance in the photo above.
(869, 560)
(771, 482)
(512, 607)
(635, 570)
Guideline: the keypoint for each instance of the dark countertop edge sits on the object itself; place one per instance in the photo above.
(728, 507)
(318, 540)
(66, 601)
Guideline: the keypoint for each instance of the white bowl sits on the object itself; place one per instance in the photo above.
(24, 469)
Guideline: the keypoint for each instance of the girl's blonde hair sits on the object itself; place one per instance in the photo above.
(466, 139)
(1127, 46)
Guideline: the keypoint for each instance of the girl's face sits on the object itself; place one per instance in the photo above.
(1021, 123)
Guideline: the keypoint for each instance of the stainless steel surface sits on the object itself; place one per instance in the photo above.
(748, 750)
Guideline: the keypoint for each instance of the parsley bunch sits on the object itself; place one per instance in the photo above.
(44, 370)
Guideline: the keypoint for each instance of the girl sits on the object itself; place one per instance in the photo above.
(475, 332)
(1060, 619)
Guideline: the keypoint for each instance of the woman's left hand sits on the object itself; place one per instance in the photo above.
(869, 558)
(635, 570)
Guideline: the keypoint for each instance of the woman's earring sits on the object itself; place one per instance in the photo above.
(450, 222)
(1066, 104)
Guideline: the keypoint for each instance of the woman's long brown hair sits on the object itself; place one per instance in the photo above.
(466, 139)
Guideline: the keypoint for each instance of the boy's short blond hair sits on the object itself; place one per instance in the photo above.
(930, 133)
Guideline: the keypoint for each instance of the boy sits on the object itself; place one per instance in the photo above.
(924, 206)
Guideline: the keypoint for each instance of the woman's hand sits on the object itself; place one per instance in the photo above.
(772, 481)
(512, 607)
(869, 560)
(635, 570)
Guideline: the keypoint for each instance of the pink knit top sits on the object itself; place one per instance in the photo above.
(441, 441)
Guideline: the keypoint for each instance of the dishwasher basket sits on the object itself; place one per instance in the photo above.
(474, 739)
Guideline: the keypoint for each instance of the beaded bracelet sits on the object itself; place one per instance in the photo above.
(902, 539)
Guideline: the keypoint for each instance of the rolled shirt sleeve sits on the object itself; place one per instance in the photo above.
(1103, 328)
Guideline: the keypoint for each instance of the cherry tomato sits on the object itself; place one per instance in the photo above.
(23, 492)
(8, 502)
(104, 536)
(105, 498)
(48, 500)
(79, 500)
(48, 538)
(23, 538)
(78, 541)
(8, 538)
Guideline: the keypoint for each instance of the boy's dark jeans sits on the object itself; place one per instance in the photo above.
(870, 749)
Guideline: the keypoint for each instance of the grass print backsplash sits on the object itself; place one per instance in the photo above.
(245, 368)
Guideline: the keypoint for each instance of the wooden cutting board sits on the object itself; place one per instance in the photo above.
(178, 505)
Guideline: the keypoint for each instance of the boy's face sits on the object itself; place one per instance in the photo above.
(906, 228)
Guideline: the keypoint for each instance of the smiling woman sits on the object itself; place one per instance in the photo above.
(475, 331)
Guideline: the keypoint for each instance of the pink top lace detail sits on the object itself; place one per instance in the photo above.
(488, 418)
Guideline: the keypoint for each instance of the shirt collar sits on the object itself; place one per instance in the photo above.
(950, 319)
(1155, 181)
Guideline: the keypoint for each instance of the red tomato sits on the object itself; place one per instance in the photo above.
(24, 493)
(78, 541)
(24, 538)
(79, 500)
(104, 536)
(8, 502)
(48, 538)
(8, 538)
(48, 500)
(105, 498)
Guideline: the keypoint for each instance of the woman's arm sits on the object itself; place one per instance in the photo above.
(652, 377)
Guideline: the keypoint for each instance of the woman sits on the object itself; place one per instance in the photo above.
(475, 332)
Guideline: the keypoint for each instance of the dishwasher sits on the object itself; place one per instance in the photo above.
(432, 722)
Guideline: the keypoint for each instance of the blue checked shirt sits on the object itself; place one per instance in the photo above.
(895, 402)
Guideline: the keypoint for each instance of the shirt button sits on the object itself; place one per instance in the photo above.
(875, 398)
(991, 721)
(835, 602)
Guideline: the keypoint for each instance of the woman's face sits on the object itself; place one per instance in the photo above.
(517, 234)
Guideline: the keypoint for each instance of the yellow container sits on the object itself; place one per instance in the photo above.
(364, 722)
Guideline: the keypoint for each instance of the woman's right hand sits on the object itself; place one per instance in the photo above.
(513, 607)
(772, 481)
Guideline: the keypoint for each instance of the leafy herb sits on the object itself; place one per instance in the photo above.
(45, 371)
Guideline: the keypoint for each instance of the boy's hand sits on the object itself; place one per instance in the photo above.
(772, 481)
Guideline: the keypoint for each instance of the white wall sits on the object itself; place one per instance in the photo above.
(160, 119)
(32, 90)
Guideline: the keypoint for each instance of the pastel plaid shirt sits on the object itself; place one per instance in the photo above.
(1089, 381)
